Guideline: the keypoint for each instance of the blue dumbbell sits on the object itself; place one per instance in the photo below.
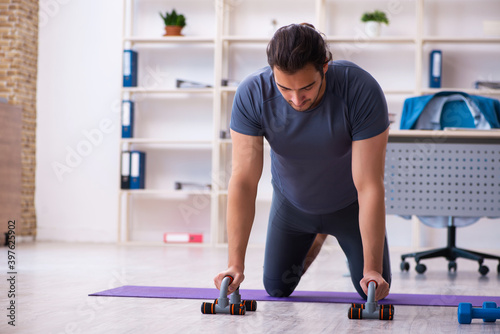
(489, 312)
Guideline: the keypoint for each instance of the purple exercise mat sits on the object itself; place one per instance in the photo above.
(297, 296)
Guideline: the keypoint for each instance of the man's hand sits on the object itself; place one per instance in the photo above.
(382, 286)
(235, 273)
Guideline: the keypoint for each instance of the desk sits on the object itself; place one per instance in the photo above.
(443, 173)
(454, 173)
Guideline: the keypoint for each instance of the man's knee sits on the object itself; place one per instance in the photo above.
(278, 288)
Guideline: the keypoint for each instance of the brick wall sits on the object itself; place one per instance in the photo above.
(18, 73)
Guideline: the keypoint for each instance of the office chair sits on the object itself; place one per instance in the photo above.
(449, 110)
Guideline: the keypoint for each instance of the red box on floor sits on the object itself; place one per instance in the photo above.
(182, 237)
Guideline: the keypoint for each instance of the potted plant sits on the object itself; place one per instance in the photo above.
(173, 23)
(373, 21)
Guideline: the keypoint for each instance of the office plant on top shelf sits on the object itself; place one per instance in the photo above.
(373, 22)
(173, 23)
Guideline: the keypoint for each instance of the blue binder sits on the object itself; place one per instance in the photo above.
(127, 119)
(125, 170)
(129, 68)
(137, 169)
(435, 68)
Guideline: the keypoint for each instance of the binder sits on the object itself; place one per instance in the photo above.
(487, 84)
(435, 68)
(125, 170)
(182, 237)
(137, 169)
(127, 119)
(179, 83)
(129, 68)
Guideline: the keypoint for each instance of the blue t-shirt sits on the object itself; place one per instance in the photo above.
(311, 150)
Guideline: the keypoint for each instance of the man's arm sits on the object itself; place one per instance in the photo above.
(368, 160)
(247, 165)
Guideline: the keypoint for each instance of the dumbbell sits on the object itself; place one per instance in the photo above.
(234, 305)
(489, 312)
(371, 309)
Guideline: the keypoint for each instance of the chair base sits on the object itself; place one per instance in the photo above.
(451, 253)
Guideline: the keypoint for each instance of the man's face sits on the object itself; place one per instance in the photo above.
(304, 89)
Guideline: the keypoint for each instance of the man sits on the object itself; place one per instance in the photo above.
(327, 126)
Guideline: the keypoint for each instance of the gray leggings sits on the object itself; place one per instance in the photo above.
(290, 235)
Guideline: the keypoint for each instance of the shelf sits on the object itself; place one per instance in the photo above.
(261, 197)
(246, 39)
(230, 142)
(181, 144)
(168, 244)
(461, 40)
(226, 141)
(146, 90)
(169, 40)
(164, 192)
(398, 92)
(228, 89)
(240, 49)
(380, 39)
(341, 39)
(482, 91)
(386, 91)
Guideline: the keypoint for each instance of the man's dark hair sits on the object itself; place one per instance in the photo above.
(296, 45)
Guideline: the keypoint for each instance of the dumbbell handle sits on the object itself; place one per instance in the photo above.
(482, 313)
(226, 282)
(371, 304)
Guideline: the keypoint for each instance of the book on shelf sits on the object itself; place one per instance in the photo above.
(225, 134)
(229, 83)
(127, 119)
(130, 58)
(487, 84)
(192, 185)
(392, 117)
(435, 68)
(133, 165)
(190, 84)
(182, 237)
(137, 169)
(181, 83)
(125, 170)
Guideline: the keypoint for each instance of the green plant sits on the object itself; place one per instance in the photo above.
(376, 16)
(173, 19)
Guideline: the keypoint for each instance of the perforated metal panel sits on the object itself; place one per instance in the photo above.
(442, 179)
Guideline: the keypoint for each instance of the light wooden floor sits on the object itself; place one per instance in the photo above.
(54, 280)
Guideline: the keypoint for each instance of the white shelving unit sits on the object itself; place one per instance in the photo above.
(230, 38)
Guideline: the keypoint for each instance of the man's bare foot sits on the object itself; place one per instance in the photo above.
(314, 250)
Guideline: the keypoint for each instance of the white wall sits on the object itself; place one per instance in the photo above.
(78, 105)
(78, 100)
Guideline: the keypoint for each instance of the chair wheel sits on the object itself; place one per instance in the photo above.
(420, 268)
(483, 270)
(452, 265)
(405, 266)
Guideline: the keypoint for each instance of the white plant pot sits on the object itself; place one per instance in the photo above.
(372, 28)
